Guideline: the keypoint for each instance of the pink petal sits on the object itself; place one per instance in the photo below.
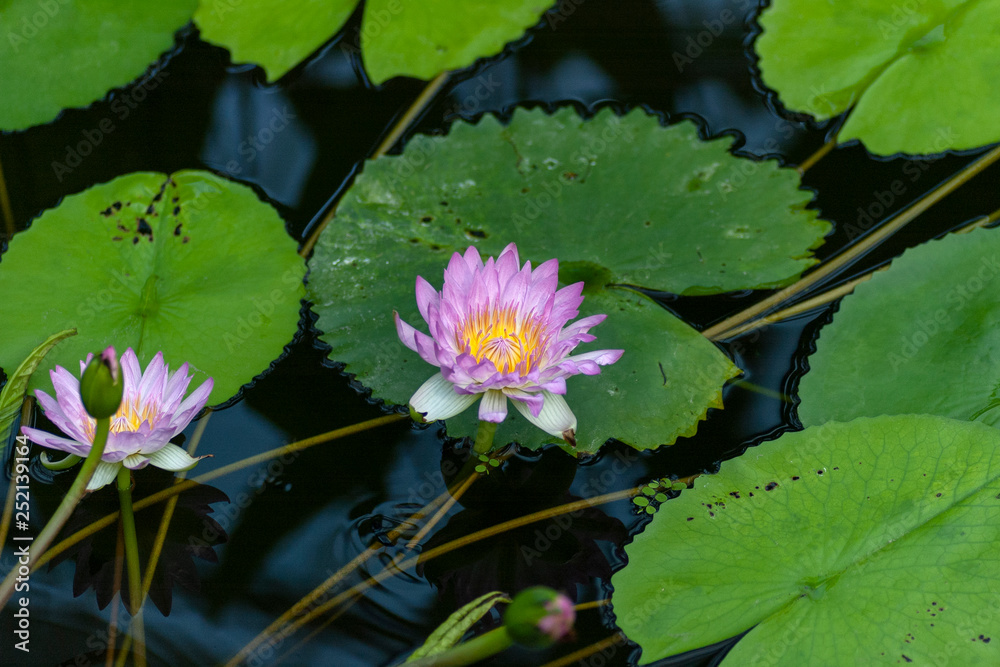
(427, 296)
(45, 439)
(493, 407)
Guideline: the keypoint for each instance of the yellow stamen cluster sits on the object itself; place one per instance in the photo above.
(130, 416)
(503, 338)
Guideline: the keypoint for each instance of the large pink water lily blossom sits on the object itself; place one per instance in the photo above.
(153, 410)
(499, 331)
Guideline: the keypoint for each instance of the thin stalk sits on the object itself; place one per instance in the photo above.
(8, 505)
(397, 566)
(8, 213)
(116, 585)
(593, 604)
(447, 505)
(65, 509)
(478, 648)
(176, 489)
(168, 512)
(587, 651)
(132, 564)
(817, 156)
(398, 128)
(832, 295)
(850, 254)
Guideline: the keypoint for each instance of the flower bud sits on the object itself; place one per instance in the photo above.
(539, 617)
(101, 386)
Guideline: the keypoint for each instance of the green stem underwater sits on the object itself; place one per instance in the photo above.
(484, 438)
(66, 507)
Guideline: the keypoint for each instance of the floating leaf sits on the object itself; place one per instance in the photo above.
(397, 38)
(423, 39)
(450, 632)
(917, 77)
(868, 542)
(58, 54)
(920, 337)
(572, 189)
(277, 34)
(12, 394)
(190, 264)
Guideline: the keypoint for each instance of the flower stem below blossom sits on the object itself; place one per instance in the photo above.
(484, 437)
(466, 653)
(132, 562)
(65, 509)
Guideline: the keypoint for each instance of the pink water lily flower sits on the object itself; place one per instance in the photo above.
(499, 331)
(152, 411)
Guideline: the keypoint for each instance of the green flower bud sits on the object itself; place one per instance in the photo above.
(539, 617)
(102, 385)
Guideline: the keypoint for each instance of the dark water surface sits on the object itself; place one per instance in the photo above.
(299, 520)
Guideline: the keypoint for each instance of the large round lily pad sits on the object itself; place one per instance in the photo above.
(563, 187)
(871, 542)
(915, 77)
(56, 54)
(920, 337)
(188, 264)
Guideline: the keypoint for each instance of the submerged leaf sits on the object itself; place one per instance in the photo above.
(56, 55)
(920, 337)
(916, 77)
(869, 542)
(189, 264)
(563, 187)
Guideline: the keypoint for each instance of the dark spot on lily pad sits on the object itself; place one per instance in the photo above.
(177, 211)
(135, 239)
(117, 206)
(177, 230)
(795, 478)
(427, 218)
(143, 228)
(479, 234)
(106, 212)
(770, 486)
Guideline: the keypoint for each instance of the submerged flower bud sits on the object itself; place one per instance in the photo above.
(539, 617)
(101, 385)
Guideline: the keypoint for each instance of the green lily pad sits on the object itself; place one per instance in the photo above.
(870, 542)
(920, 337)
(57, 54)
(423, 39)
(397, 38)
(278, 34)
(917, 77)
(563, 187)
(189, 264)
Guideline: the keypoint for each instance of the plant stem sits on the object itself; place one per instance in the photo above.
(8, 213)
(132, 563)
(181, 487)
(398, 128)
(723, 329)
(65, 509)
(484, 438)
(466, 653)
(817, 156)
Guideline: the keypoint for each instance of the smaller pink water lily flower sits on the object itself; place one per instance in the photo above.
(499, 331)
(153, 410)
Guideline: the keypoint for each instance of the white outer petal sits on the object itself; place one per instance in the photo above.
(555, 417)
(493, 407)
(437, 399)
(173, 458)
(104, 474)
